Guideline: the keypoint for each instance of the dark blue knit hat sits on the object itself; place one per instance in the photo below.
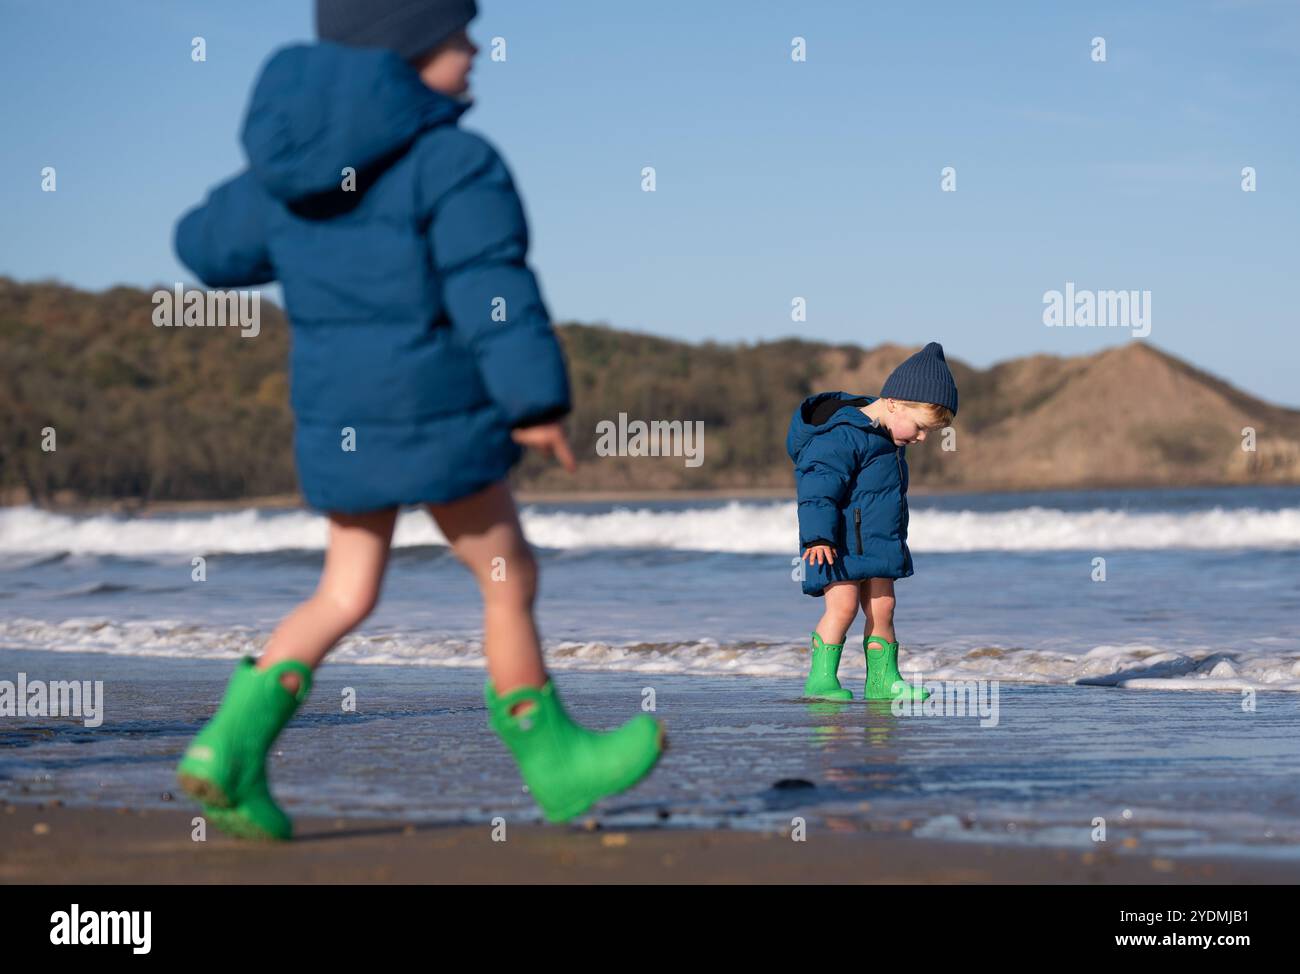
(923, 378)
(409, 27)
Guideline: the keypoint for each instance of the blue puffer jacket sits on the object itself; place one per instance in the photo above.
(396, 291)
(852, 488)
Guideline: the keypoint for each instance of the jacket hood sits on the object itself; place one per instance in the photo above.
(801, 430)
(319, 108)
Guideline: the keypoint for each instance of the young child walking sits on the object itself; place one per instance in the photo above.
(423, 363)
(851, 476)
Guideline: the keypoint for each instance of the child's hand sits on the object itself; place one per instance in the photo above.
(820, 554)
(549, 438)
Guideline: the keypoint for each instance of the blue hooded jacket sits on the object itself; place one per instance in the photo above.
(416, 322)
(852, 487)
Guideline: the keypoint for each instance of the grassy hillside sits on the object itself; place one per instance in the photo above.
(201, 413)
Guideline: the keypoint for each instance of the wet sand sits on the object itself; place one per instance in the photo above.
(1180, 781)
(63, 845)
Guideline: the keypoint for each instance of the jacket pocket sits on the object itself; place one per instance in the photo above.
(857, 528)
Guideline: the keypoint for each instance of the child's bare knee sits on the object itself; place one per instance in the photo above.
(882, 608)
(352, 606)
(841, 615)
(511, 579)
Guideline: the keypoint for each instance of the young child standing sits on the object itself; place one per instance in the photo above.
(851, 476)
(423, 362)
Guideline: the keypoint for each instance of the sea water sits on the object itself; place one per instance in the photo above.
(1078, 608)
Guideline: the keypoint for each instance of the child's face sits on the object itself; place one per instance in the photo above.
(907, 425)
(446, 68)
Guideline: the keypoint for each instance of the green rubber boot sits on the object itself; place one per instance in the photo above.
(567, 767)
(884, 682)
(822, 683)
(225, 765)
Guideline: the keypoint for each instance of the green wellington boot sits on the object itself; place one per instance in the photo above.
(884, 682)
(822, 683)
(225, 765)
(567, 767)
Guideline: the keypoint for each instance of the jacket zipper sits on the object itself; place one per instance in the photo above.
(857, 527)
(902, 522)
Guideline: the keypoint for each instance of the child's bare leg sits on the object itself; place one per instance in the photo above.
(348, 590)
(878, 601)
(484, 532)
(864, 599)
(884, 681)
(566, 767)
(840, 610)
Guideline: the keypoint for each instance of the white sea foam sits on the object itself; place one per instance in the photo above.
(1136, 666)
(738, 527)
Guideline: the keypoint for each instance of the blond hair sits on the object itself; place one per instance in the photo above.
(936, 416)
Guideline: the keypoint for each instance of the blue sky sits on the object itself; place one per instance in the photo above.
(775, 179)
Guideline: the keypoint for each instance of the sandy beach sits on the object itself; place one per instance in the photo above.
(58, 844)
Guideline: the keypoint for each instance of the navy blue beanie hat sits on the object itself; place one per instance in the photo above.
(409, 27)
(923, 378)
